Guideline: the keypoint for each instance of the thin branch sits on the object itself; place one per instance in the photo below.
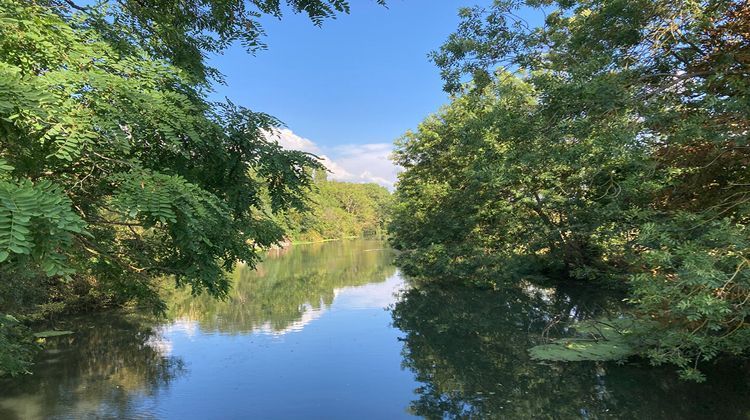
(75, 6)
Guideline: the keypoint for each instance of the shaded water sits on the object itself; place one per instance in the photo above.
(318, 331)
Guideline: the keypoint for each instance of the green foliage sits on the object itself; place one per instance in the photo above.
(338, 210)
(616, 149)
(494, 182)
(114, 167)
(698, 289)
(136, 175)
(36, 223)
(16, 348)
(607, 340)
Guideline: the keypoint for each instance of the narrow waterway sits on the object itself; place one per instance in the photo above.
(331, 331)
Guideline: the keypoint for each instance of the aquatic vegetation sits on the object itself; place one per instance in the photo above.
(595, 340)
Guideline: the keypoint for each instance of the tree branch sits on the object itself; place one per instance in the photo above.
(75, 6)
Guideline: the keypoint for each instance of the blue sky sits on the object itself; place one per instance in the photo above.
(348, 89)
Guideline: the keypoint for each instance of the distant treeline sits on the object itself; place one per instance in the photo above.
(339, 210)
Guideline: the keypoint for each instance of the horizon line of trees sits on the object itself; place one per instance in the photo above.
(339, 210)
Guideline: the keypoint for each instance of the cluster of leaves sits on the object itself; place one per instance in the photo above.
(36, 221)
(340, 210)
(16, 346)
(613, 146)
(115, 165)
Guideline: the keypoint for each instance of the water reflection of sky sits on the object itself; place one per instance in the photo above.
(339, 361)
(369, 296)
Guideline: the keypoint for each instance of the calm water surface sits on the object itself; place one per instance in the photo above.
(331, 331)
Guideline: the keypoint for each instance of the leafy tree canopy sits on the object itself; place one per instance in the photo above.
(114, 165)
(612, 143)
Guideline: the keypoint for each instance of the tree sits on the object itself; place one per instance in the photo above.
(115, 166)
(627, 158)
(340, 210)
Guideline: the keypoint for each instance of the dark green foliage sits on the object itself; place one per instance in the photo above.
(36, 222)
(16, 347)
(615, 149)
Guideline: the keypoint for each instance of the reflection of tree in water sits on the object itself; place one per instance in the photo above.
(287, 285)
(469, 349)
(100, 371)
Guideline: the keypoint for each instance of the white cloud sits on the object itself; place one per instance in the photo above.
(351, 163)
(288, 140)
(369, 296)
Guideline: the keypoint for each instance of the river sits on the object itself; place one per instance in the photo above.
(332, 331)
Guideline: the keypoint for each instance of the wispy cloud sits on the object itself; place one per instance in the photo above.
(351, 163)
(288, 140)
